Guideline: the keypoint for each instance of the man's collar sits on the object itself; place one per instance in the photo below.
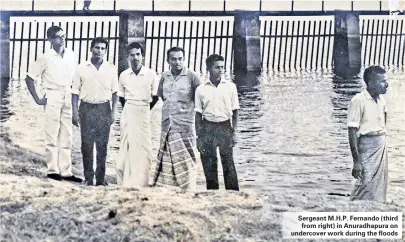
(368, 96)
(141, 71)
(208, 81)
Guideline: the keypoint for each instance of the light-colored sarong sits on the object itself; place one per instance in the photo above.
(135, 154)
(176, 161)
(373, 154)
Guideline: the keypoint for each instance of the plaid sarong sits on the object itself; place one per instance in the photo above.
(176, 161)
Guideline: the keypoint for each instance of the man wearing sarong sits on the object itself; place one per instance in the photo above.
(96, 85)
(176, 161)
(216, 106)
(137, 88)
(366, 120)
(56, 69)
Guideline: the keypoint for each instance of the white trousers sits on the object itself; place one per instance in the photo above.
(58, 130)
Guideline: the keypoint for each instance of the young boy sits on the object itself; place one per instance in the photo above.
(216, 106)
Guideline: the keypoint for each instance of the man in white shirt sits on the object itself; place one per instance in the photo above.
(138, 88)
(96, 84)
(56, 68)
(216, 107)
(366, 121)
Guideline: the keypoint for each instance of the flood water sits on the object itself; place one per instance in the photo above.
(292, 134)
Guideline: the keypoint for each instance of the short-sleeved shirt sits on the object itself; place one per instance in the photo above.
(55, 71)
(95, 85)
(216, 103)
(366, 114)
(138, 88)
(178, 95)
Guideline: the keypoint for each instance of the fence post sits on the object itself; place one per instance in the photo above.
(246, 42)
(5, 46)
(346, 46)
(131, 30)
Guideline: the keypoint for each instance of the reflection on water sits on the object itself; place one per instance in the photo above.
(292, 134)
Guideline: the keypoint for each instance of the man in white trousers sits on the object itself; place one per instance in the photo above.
(56, 68)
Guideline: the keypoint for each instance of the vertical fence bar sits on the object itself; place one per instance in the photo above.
(81, 41)
(87, 41)
(209, 39)
(319, 40)
(74, 33)
(171, 34)
(313, 44)
(29, 45)
(202, 45)
(164, 47)
(281, 44)
(292, 6)
(153, 5)
(215, 36)
(95, 29)
(33, 5)
(365, 45)
(21, 46)
(196, 44)
(260, 5)
(109, 36)
(224, 5)
(381, 41)
(275, 42)
(403, 50)
(158, 43)
(269, 46)
(226, 43)
(380, 5)
(43, 46)
(178, 34)
(36, 41)
(189, 44)
(102, 29)
(151, 44)
(264, 40)
(395, 42)
(323, 43)
(115, 5)
(385, 42)
(292, 45)
(371, 42)
(116, 42)
(220, 37)
(189, 5)
(323, 6)
(389, 48)
(308, 33)
(67, 34)
(184, 35)
(329, 37)
(376, 41)
(400, 41)
(352, 5)
(146, 40)
(362, 35)
(302, 43)
(296, 45)
(286, 44)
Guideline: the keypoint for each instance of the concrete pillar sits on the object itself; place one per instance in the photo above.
(5, 46)
(131, 30)
(246, 42)
(346, 46)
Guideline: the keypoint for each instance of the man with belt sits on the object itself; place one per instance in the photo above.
(216, 106)
(56, 69)
(176, 163)
(95, 83)
(366, 121)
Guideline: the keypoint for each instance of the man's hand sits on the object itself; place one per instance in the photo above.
(358, 170)
(233, 141)
(200, 145)
(75, 119)
(41, 101)
(112, 118)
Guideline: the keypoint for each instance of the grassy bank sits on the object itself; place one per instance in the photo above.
(36, 209)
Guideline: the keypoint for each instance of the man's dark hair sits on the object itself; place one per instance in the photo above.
(175, 49)
(211, 59)
(99, 40)
(51, 32)
(136, 45)
(371, 72)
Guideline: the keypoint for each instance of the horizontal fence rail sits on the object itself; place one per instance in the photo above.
(199, 38)
(296, 44)
(383, 40)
